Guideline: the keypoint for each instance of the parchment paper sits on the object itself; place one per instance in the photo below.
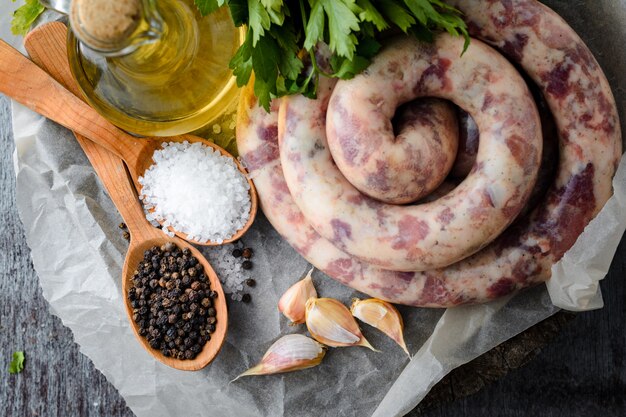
(78, 252)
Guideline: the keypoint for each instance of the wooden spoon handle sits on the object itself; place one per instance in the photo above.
(28, 84)
(46, 46)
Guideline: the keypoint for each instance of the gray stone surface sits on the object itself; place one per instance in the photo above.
(57, 379)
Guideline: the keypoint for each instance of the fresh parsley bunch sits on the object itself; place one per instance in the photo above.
(284, 34)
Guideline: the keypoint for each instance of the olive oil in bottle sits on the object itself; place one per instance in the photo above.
(154, 68)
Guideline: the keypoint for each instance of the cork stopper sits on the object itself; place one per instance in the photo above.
(103, 23)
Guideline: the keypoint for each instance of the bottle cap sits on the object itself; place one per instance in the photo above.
(103, 23)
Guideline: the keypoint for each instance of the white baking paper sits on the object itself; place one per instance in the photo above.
(575, 279)
(78, 252)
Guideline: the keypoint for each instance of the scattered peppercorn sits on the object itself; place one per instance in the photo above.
(126, 236)
(246, 265)
(237, 253)
(247, 253)
(246, 298)
(170, 303)
(122, 226)
(250, 282)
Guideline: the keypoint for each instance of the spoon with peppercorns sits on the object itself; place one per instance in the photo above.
(23, 81)
(173, 298)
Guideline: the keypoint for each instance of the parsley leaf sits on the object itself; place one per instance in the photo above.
(397, 14)
(259, 19)
(315, 27)
(208, 6)
(238, 11)
(25, 16)
(17, 364)
(372, 15)
(342, 20)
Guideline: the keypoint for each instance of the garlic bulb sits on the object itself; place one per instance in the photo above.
(331, 323)
(382, 315)
(289, 353)
(292, 303)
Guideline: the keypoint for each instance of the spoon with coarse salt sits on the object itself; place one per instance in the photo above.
(112, 172)
(28, 84)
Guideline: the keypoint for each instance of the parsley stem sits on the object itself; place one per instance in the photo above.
(316, 68)
(303, 13)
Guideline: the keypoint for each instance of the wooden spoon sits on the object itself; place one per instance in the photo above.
(114, 177)
(23, 81)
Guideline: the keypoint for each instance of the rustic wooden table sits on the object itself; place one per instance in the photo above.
(580, 372)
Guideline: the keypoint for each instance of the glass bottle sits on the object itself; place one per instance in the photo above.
(153, 68)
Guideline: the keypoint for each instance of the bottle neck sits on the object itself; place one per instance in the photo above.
(116, 28)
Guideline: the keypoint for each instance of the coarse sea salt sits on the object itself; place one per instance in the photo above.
(228, 268)
(196, 191)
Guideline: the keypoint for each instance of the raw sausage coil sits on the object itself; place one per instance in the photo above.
(580, 99)
(426, 236)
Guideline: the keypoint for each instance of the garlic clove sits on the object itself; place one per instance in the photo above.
(292, 352)
(383, 316)
(331, 323)
(293, 301)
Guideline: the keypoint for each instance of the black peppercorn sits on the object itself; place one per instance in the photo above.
(122, 226)
(246, 298)
(237, 253)
(250, 282)
(246, 265)
(171, 298)
(247, 253)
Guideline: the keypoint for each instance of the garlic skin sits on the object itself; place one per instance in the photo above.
(292, 352)
(331, 323)
(293, 301)
(383, 316)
